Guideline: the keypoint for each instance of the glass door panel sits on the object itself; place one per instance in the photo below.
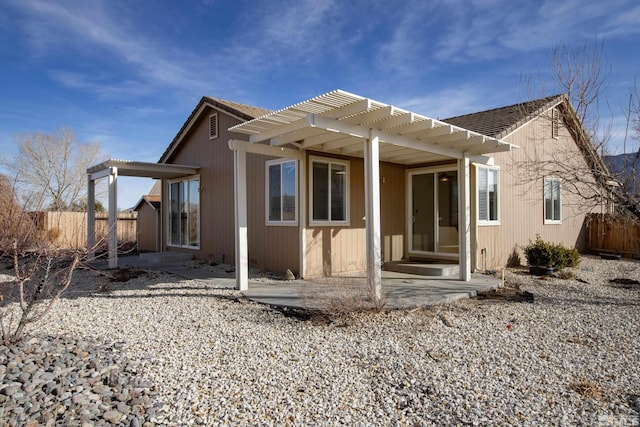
(447, 211)
(422, 219)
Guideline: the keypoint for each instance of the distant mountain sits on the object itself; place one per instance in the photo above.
(626, 168)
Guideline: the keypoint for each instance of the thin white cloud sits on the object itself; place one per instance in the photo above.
(101, 86)
(89, 28)
(623, 24)
(489, 30)
(280, 35)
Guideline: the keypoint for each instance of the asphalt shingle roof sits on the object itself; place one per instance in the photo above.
(499, 122)
(247, 112)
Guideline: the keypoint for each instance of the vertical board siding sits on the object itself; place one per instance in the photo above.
(336, 250)
(393, 216)
(215, 160)
(522, 200)
(333, 250)
(271, 247)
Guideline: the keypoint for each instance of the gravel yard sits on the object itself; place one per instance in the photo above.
(159, 350)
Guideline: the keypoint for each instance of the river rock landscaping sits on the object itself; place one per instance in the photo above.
(160, 350)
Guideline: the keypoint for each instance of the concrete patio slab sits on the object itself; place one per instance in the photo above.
(401, 290)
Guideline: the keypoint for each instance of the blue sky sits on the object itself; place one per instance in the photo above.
(128, 73)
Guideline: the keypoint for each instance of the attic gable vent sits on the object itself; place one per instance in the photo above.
(555, 123)
(213, 126)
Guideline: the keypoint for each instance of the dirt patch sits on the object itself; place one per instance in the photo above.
(305, 315)
(126, 274)
(506, 294)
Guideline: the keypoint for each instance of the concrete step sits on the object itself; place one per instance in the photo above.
(423, 268)
(165, 257)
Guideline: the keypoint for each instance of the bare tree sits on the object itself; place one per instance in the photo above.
(53, 165)
(582, 76)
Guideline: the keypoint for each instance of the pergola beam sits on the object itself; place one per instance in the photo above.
(266, 150)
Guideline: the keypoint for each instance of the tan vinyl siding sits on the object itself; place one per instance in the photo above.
(336, 250)
(217, 238)
(392, 211)
(521, 198)
(270, 248)
(275, 247)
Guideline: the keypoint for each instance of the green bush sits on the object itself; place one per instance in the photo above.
(548, 254)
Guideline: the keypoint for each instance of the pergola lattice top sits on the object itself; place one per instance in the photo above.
(337, 122)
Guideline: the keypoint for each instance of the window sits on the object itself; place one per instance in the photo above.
(552, 201)
(488, 211)
(282, 192)
(329, 191)
(184, 213)
(213, 126)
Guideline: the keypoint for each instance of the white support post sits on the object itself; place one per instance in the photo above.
(302, 208)
(91, 217)
(113, 218)
(240, 199)
(372, 212)
(464, 219)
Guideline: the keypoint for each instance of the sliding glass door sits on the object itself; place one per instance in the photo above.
(433, 212)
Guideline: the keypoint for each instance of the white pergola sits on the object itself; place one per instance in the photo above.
(111, 169)
(343, 123)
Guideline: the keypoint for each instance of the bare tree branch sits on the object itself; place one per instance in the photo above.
(55, 165)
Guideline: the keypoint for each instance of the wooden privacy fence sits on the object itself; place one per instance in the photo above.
(69, 229)
(613, 234)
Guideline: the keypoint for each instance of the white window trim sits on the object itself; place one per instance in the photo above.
(217, 126)
(544, 201)
(266, 194)
(168, 210)
(482, 222)
(323, 223)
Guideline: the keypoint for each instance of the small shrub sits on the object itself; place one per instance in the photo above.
(550, 255)
(539, 253)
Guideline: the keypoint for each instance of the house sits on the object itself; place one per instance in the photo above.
(341, 183)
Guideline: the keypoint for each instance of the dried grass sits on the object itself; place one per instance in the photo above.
(586, 389)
